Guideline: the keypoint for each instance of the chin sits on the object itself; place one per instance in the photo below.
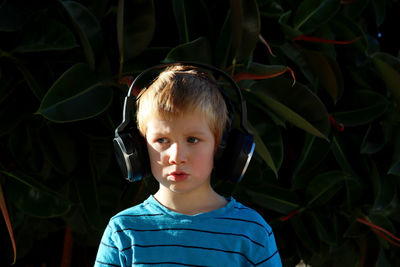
(179, 189)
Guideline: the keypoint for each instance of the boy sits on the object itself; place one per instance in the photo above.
(182, 116)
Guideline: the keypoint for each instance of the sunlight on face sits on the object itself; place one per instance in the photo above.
(181, 152)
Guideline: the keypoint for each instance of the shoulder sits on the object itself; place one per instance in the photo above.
(259, 227)
(249, 224)
(247, 217)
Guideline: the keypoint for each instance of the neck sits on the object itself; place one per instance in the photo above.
(190, 203)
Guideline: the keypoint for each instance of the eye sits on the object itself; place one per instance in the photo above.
(162, 140)
(193, 140)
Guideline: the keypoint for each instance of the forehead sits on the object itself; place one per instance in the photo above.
(186, 123)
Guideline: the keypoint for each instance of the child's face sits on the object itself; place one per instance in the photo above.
(181, 152)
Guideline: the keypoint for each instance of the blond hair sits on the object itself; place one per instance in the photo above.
(180, 89)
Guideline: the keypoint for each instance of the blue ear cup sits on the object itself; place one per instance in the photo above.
(131, 153)
(130, 146)
(233, 154)
(236, 156)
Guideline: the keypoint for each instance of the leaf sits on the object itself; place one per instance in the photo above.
(287, 30)
(253, 100)
(347, 29)
(389, 69)
(149, 57)
(10, 114)
(198, 50)
(314, 152)
(303, 233)
(324, 187)
(324, 228)
(386, 192)
(373, 141)
(367, 106)
(395, 168)
(382, 259)
(192, 19)
(293, 53)
(355, 230)
(88, 29)
(223, 48)
(320, 40)
(25, 148)
(327, 71)
(76, 95)
(135, 27)
(382, 221)
(34, 198)
(355, 9)
(86, 189)
(270, 9)
(393, 134)
(12, 16)
(6, 216)
(264, 153)
(380, 11)
(46, 35)
(354, 192)
(100, 155)
(181, 18)
(60, 148)
(246, 25)
(341, 157)
(28, 76)
(8, 82)
(313, 13)
(278, 199)
(258, 71)
(268, 140)
(296, 104)
(327, 255)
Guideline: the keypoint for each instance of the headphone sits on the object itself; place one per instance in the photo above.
(233, 153)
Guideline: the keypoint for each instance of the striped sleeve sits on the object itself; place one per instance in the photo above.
(254, 225)
(108, 253)
(270, 257)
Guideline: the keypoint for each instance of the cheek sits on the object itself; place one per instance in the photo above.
(205, 160)
(152, 152)
(154, 156)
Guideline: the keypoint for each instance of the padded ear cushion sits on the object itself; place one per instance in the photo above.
(236, 156)
(131, 152)
(225, 135)
(221, 146)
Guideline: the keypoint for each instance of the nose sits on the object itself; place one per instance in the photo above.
(177, 154)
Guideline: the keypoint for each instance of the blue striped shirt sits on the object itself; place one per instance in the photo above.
(150, 234)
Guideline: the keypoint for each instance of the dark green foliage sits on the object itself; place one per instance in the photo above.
(328, 147)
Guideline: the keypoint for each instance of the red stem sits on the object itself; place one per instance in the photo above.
(290, 215)
(346, 2)
(266, 44)
(250, 76)
(338, 126)
(381, 232)
(321, 40)
(67, 250)
(7, 219)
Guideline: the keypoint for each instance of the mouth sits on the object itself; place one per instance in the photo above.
(178, 176)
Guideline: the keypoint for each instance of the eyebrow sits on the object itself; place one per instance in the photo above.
(188, 133)
(196, 132)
